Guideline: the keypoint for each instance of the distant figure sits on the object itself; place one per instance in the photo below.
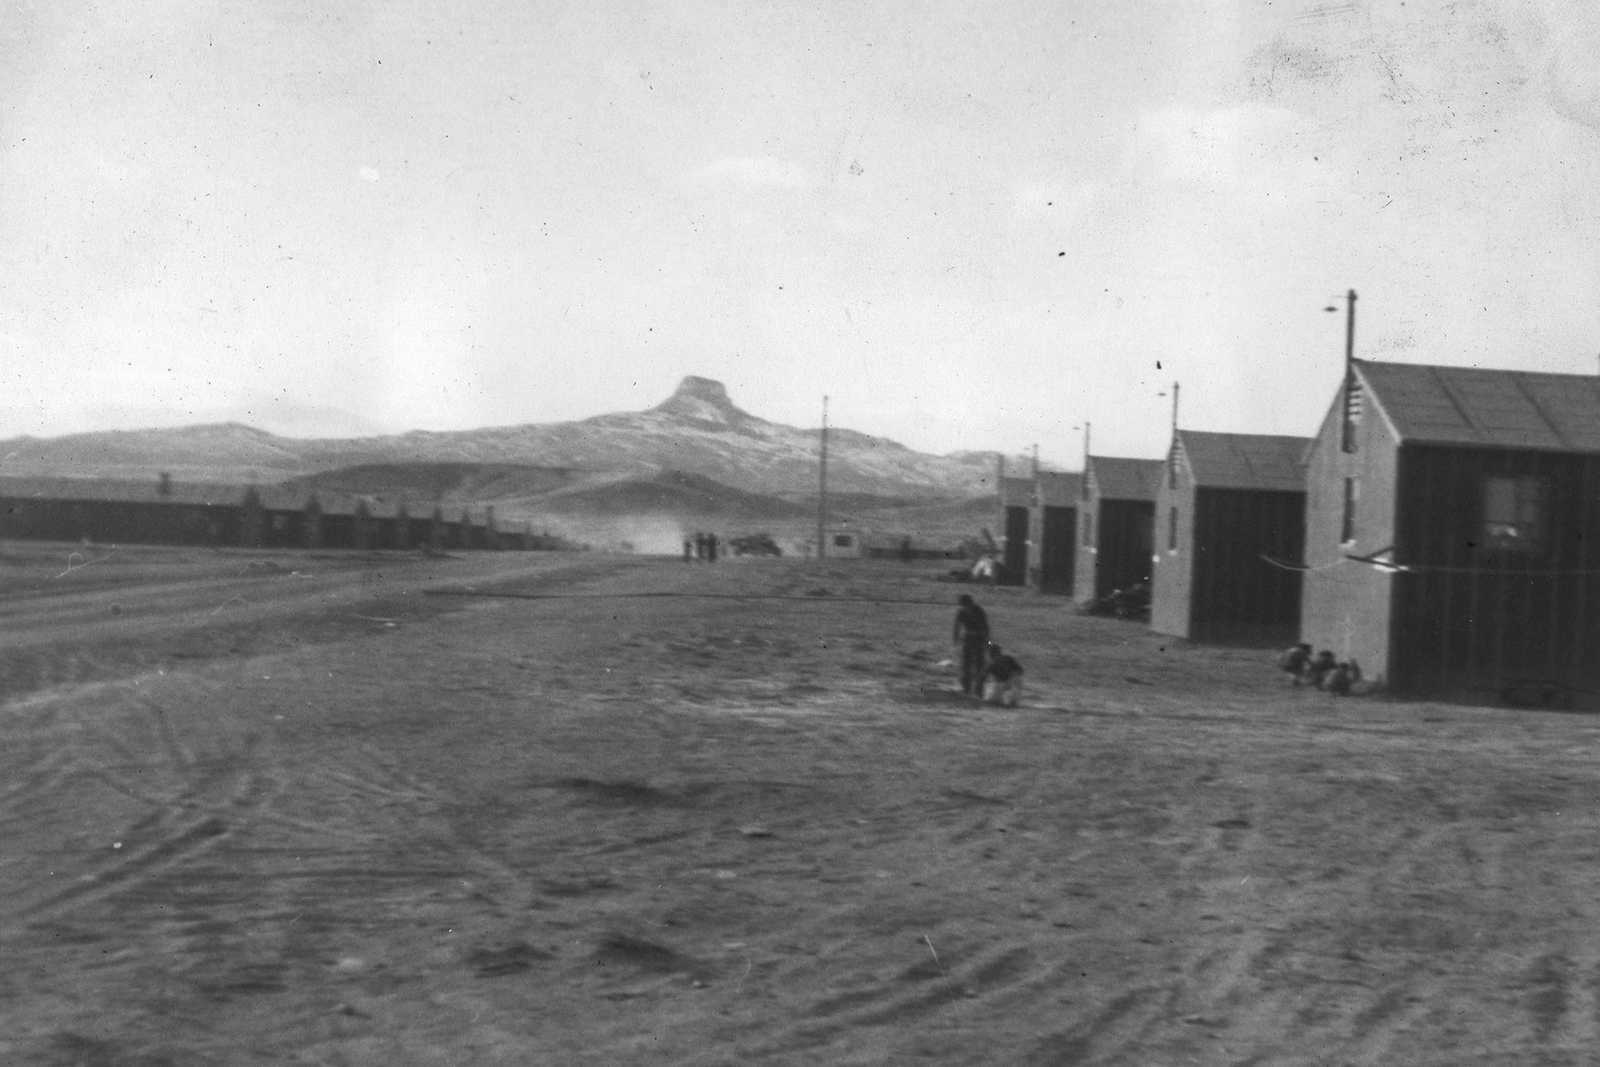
(1324, 665)
(688, 550)
(711, 548)
(971, 632)
(1002, 681)
(1295, 661)
(1344, 678)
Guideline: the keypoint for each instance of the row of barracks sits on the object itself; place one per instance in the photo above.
(165, 512)
(1442, 529)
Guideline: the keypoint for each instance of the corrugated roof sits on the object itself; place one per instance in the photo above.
(282, 498)
(1060, 489)
(1244, 460)
(1118, 478)
(122, 490)
(1016, 492)
(1487, 408)
(210, 494)
(1056, 489)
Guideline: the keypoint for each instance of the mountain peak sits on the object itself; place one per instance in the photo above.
(708, 389)
(703, 399)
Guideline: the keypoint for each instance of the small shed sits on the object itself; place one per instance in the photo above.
(1053, 531)
(1230, 516)
(844, 542)
(1453, 529)
(1115, 525)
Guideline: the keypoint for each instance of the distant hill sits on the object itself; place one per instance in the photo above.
(446, 483)
(669, 493)
(656, 509)
(698, 430)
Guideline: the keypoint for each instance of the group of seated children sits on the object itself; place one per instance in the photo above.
(1320, 670)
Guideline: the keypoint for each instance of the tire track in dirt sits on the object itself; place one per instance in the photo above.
(31, 778)
(964, 978)
(959, 978)
(1227, 899)
(182, 758)
(1561, 1000)
(362, 773)
(177, 844)
(190, 805)
(382, 802)
(1108, 1030)
(1387, 1014)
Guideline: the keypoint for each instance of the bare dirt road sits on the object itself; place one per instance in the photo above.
(637, 811)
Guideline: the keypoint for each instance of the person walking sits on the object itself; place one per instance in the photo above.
(971, 633)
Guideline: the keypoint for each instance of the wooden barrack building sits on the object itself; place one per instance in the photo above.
(1115, 525)
(1016, 504)
(1053, 531)
(1453, 530)
(1230, 528)
(109, 511)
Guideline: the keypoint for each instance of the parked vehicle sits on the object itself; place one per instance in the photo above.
(755, 545)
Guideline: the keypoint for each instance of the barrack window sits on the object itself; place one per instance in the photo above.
(1515, 512)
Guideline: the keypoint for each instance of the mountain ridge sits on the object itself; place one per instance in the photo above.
(698, 430)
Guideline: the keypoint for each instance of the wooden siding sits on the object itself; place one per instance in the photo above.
(283, 529)
(1085, 531)
(1115, 525)
(1346, 606)
(1014, 546)
(1237, 595)
(1058, 549)
(132, 522)
(1470, 616)
(1172, 578)
(1122, 547)
(242, 523)
(1052, 552)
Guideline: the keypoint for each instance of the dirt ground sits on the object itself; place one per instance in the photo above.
(531, 809)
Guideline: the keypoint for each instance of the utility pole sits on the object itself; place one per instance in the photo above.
(1347, 442)
(1084, 488)
(1172, 443)
(822, 487)
(1346, 436)
(1349, 330)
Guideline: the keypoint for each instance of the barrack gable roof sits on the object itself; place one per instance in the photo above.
(123, 491)
(1244, 460)
(190, 494)
(1117, 478)
(1060, 489)
(1016, 492)
(1486, 408)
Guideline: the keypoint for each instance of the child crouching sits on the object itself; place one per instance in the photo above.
(1002, 681)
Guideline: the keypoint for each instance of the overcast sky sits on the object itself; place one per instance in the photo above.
(975, 225)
